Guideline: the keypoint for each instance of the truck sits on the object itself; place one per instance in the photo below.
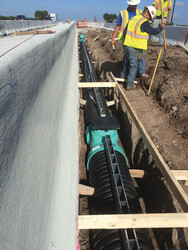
(53, 16)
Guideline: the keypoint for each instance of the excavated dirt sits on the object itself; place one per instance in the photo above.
(164, 115)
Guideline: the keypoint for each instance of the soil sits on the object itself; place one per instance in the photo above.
(164, 114)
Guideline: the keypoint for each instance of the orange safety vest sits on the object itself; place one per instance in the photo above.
(85, 23)
(79, 24)
(125, 19)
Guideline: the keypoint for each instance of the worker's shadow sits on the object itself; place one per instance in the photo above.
(107, 67)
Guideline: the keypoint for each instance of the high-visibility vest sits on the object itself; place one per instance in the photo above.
(166, 6)
(125, 19)
(135, 37)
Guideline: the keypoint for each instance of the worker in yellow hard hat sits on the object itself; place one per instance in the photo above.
(136, 37)
(167, 7)
(122, 20)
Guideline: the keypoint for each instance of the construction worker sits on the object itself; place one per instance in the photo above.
(122, 20)
(136, 38)
(167, 7)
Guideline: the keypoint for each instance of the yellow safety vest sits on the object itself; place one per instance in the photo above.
(166, 6)
(125, 19)
(135, 37)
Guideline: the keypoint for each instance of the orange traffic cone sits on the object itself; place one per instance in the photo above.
(79, 24)
(85, 23)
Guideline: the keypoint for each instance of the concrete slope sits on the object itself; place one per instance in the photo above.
(39, 141)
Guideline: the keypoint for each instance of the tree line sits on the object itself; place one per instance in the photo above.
(39, 15)
(109, 18)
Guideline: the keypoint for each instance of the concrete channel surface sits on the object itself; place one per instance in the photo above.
(39, 140)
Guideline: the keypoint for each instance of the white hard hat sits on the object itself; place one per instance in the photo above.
(133, 2)
(152, 11)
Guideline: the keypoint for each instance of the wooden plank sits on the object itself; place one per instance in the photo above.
(172, 182)
(34, 32)
(180, 175)
(186, 183)
(96, 84)
(137, 173)
(123, 80)
(95, 38)
(122, 221)
(82, 101)
(110, 103)
(85, 190)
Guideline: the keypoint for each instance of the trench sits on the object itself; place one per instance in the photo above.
(154, 193)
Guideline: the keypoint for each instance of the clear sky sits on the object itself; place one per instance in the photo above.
(87, 9)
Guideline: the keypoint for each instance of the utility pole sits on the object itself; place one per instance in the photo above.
(173, 10)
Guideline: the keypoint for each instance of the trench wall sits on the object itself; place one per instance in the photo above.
(39, 142)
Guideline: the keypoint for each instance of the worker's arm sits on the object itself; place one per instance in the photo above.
(169, 11)
(168, 16)
(117, 28)
(146, 27)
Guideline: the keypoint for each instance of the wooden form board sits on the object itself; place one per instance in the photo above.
(82, 101)
(123, 80)
(85, 190)
(122, 221)
(172, 182)
(96, 84)
(180, 175)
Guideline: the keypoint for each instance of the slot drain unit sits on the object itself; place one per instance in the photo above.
(108, 169)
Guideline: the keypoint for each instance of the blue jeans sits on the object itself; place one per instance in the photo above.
(132, 56)
(159, 37)
(141, 68)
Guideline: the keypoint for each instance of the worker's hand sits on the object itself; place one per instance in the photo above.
(112, 44)
(167, 20)
(163, 25)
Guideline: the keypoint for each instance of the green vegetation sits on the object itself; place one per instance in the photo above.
(7, 17)
(109, 18)
(41, 14)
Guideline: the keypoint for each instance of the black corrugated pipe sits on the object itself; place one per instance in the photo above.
(103, 203)
(104, 200)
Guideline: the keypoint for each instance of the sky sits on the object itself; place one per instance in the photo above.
(84, 9)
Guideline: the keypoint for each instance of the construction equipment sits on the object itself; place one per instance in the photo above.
(147, 93)
(164, 36)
